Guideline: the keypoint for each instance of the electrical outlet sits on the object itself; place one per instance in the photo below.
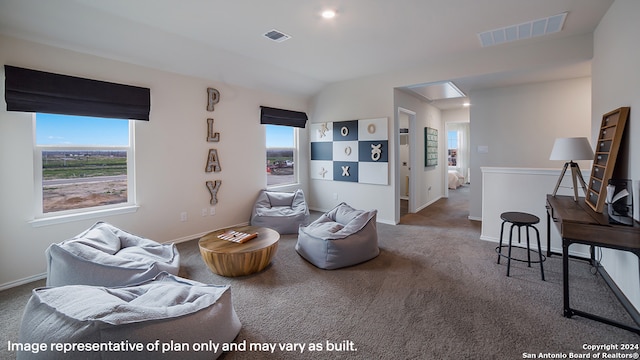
(183, 216)
(204, 212)
(335, 196)
(212, 210)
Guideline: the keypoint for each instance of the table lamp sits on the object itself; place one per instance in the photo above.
(570, 149)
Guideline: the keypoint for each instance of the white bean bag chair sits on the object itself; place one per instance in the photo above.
(128, 322)
(104, 255)
(342, 237)
(283, 212)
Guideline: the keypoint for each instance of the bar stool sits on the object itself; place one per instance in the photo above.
(520, 219)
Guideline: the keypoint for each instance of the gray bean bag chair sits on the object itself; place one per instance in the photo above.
(283, 212)
(342, 237)
(104, 255)
(128, 322)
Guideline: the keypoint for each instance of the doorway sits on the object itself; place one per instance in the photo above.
(405, 161)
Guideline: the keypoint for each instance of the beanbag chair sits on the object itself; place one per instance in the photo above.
(342, 237)
(183, 317)
(283, 212)
(104, 255)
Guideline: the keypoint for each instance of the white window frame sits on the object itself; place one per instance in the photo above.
(296, 150)
(42, 219)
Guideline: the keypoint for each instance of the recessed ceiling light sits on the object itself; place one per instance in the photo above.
(328, 14)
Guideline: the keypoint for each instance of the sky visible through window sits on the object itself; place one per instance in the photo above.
(53, 129)
(279, 136)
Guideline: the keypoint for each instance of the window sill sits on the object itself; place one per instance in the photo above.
(60, 219)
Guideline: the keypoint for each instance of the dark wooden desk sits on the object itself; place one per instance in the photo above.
(579, 224)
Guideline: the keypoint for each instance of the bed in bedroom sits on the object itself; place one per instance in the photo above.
(455, 179)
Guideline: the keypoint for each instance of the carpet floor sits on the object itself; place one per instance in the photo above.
(434, 292)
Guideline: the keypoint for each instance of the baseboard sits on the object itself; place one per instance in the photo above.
(22, 281)
(429, 203)
(474, 218)
(37, 277)
(199, 235)
(622, 298)
(556, 251)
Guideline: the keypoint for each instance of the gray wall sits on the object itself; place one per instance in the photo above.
(616, 83)
(519, 124)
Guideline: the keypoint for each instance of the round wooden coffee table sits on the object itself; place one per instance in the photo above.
(227, 258)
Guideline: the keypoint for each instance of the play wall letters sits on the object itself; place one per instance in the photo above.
(213, 161)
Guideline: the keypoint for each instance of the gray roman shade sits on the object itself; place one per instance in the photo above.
(273, 116)
(29, 90)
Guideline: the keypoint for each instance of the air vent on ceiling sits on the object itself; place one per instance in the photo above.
(277, 36)
(522, 31)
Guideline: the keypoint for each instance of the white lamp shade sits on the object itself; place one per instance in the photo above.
(573, 148)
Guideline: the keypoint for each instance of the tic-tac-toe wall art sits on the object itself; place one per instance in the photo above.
(354, 151)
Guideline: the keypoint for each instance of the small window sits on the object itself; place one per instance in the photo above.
(281, 155)
(82, 163)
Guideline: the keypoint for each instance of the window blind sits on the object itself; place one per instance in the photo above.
(29, 90)
(273, 116)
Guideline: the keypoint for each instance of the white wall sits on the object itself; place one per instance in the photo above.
(616, 83)
(518, 125)
(429, 181)
(171, 153)
(372, 97)
(532, 187)
(349, 102)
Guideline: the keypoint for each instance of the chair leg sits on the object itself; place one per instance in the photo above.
(539, 253)
(528, 248)
(500, 245)
(509, 254)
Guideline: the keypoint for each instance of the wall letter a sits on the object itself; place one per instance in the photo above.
(212, 162)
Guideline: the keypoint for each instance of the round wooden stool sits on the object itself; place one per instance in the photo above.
(520, 219)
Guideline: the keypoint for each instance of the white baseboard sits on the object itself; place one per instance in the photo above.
(22, 281)
(542, 245)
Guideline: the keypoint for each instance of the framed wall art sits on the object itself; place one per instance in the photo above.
(430, 146)
(354, 151)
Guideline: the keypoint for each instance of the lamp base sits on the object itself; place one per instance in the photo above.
(576, 176)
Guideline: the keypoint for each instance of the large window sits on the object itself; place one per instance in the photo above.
(82, 163)
(281, 145)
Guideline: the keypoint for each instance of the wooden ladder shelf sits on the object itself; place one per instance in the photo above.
(604, 161)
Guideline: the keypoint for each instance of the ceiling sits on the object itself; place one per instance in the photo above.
(223, 40)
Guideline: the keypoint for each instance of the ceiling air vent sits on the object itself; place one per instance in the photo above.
(522, 31)
(277, 36)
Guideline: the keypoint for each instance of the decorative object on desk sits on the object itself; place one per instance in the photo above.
(573, 148)
(609, 139)
(620, 201)
(430, 147)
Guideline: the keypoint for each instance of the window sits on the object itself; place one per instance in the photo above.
(452, 141)
(281, 142)
(82, 163)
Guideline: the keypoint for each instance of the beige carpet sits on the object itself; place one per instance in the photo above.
(435, 292)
